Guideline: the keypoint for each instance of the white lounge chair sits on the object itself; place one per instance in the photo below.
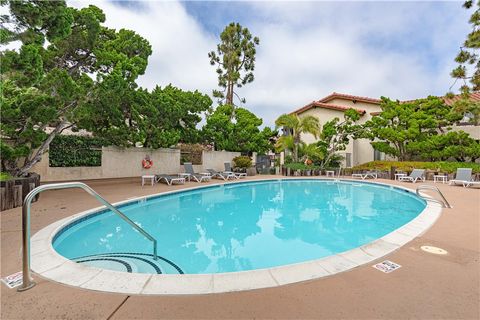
(228, 169)
(168, 179)
(221, 175)
(467, 184)
(416, 174)
(464, 177)
(196, 176)
(364, 176)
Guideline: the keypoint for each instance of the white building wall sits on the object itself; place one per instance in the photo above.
(361, 150)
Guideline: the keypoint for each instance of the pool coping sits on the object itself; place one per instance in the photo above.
(50, 265)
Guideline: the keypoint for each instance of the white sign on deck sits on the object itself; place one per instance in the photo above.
(13, 280)
(386, 266)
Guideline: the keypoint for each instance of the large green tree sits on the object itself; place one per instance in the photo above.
(68, 66)
(175, 116)
(235, 61)
(468, 69)
(402, 127)
(294, 126)
(456, 145)
(468, 55)
(336, 135)
(237, 129)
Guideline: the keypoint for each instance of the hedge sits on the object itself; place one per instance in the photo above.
(301, 166)
(75, 151)
(442, 166)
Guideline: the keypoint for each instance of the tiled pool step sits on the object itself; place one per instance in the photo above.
(130, 262)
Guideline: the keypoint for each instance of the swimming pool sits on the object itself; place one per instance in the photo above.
(285, 217)
(239, 227)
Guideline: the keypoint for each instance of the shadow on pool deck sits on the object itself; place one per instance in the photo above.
(427, 285)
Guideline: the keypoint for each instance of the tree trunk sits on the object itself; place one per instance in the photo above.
(229, 97)
(40, 151)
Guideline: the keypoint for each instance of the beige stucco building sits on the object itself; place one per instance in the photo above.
(359, 151)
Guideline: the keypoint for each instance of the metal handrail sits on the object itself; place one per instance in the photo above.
(445, 203)
(27, 282)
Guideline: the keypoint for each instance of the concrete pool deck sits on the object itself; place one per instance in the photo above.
(427, 285)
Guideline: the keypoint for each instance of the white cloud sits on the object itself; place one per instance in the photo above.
(307, 50)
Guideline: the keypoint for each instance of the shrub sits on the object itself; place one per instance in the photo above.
(5, 176)
(242, 162)
(443, 166)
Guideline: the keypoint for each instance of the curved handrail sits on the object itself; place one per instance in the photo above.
(444, 204)
(27, 283)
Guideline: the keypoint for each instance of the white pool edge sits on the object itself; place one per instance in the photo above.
(48, 264)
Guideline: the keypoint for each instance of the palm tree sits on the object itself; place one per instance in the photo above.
(310, 151)
(295, 126)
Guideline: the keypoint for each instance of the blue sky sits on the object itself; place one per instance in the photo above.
(307, 50)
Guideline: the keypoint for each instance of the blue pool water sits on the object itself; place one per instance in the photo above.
(240, 227)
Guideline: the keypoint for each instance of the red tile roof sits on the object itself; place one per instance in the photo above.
(317, 104)
(350, 97)
(475, 96)
(323, 103)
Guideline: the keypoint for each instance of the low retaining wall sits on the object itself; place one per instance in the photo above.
(125, 163)
(14, 191)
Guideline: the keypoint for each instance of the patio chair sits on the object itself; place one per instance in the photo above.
(169, 179)
(416, 174)
(463, 176)
(228, 169)
(196, 176)
(365, 175)
(221, 175)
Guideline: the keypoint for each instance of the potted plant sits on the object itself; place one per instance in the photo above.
(244, 163)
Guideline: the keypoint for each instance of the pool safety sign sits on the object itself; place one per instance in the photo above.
(387, 266)
(13, 280)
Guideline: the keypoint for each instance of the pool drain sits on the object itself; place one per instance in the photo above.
(434, 250)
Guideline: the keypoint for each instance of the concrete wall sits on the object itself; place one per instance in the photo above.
(216, 159)
(123, 163)
(473, 131)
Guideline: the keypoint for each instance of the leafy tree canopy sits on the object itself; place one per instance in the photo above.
(336, 135)
(66, 67)
(237, 129)
(468, 55)
(468, 69)
(174, 117)
(402, 126)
